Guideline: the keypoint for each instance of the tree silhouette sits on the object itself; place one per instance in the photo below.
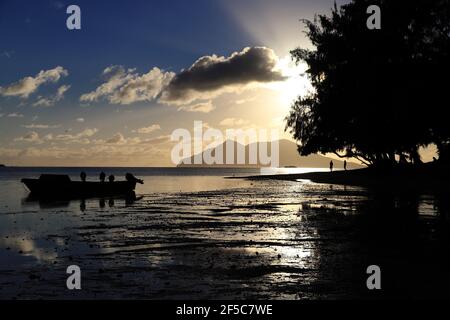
(379, 95)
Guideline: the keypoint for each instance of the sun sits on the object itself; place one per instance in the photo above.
(296, 83)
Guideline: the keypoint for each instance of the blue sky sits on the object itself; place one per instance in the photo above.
(52, 124)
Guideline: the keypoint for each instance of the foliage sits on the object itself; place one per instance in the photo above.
(378, 94)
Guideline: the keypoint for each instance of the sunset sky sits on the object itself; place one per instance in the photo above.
(113, 92)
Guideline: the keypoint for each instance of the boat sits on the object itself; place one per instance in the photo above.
(61, 186)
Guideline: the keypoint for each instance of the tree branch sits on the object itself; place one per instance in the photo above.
(353, 155)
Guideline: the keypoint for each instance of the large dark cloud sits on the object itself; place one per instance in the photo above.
(210, 75)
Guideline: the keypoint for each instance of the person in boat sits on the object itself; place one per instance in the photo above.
(131, 178)
(102, 176)
(83, 176)
(111, 178)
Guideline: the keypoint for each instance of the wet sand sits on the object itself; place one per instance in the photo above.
(429, 177)
(270, 240)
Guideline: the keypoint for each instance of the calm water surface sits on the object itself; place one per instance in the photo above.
(193, 234)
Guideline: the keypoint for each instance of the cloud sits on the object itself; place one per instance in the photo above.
(233, 122)
(28, 85)
(88, 155)
(15, 115)
(7, 54)
(148, 129)
(126, 86)
(79, 137)
(242, 101)
(81, 120)
(118, 138)
(204, 107)
(157, 140)
(41, 126)
(116, 76)
(207, 78)
(32, 136)
(50, 101)
(211, 76)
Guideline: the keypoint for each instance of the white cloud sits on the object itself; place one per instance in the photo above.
(157, 140)
(15, 115)
(204, 107)
(118, 138)
(207, 78)
(50, 101)
(139, 153)
(28, 85)
(81, 120)
(41, 126)
(242, 101)
(233, 122)
(86, 133)
(32, 136)
(116, 76)
(126, 86)
(148, 129)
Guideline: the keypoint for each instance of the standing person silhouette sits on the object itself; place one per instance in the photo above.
(83, 176)
(345, 165)
(102, 176)
(331, 166)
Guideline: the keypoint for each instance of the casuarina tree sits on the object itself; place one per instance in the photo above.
(378, 94)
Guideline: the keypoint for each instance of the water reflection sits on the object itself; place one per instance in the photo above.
(45, 203)
(275, 239)
(22, 248)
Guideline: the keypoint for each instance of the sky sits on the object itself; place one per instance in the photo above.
(112, 92)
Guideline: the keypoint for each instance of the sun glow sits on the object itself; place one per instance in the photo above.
(296, 83)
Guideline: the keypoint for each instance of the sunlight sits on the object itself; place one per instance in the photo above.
(297, 83)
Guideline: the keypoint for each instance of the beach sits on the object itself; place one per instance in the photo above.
(224, 239)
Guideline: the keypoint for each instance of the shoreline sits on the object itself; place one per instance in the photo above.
(428, 177)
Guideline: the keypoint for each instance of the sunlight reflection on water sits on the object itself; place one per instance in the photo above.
(223, 238)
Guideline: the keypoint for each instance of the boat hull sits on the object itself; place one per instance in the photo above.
(78, 189)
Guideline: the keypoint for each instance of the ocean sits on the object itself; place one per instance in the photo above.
(191, 233)
(164, 179)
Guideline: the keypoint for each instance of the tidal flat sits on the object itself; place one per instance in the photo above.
(267, 239)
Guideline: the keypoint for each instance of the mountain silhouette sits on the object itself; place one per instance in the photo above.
(288, 157)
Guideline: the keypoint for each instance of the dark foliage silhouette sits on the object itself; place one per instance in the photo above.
(379, 95)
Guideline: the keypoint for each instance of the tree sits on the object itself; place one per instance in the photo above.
(378, 94)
